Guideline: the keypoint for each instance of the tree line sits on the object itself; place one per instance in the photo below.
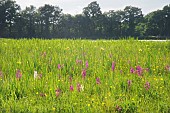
(49, 21)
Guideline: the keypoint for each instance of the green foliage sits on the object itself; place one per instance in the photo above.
(59, 64)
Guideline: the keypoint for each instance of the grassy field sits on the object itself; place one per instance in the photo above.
(84, 76)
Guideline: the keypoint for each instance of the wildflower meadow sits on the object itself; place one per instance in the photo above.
(84, 76)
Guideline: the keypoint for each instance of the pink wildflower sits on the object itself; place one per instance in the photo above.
(18, 74)
(129, 83)
(78, 61)
(139, 70)
(71, 88)
(84, 73)
(59, 66)
(147, 85)
(118, 108)
(113, 66)
(132, 70)
(58, 91)
(87, 64)
(98, 80)
(80, 87)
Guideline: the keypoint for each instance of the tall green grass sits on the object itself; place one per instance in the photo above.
(112, 94)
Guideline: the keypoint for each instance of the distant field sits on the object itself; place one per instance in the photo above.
(84, 76)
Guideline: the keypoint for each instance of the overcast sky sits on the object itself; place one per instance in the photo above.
(76, 6)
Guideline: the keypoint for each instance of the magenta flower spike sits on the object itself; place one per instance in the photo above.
(132, 70)
(71, 88)
(139, 70)
(147, 85)
(18, 74)
(113, 66)
(59, 66)
(87, 64)
(98, 80)
(129, 83)
(84, 73)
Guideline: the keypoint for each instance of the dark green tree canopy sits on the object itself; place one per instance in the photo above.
(48, 21)
(92, 10)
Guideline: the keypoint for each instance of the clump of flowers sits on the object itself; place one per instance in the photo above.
(18, 74)
(147, 85)
(139, 70)
(80, 87)
(98, 81)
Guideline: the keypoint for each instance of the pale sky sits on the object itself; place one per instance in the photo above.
(76, 6)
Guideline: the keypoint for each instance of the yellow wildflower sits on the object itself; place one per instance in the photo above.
(102, 49)
(103, 103)
(53, 108)
(19, 62)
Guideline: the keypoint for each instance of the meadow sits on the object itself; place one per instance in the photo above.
(73, 76)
